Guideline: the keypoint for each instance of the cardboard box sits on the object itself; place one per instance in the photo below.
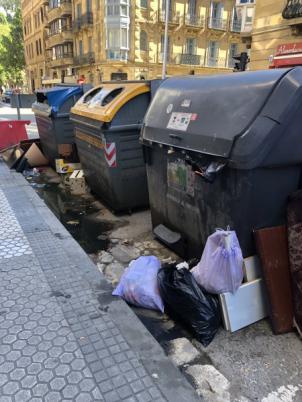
(77, 182)
(66, 167)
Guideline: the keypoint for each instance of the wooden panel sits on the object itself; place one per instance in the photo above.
(294, 221)
(273, 252)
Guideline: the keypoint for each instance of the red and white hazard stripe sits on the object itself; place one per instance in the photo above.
(110, 154)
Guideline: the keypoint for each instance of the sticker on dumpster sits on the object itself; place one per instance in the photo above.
(110, 154)
(169, 108)
(186, 103)
(91, 140)
(181, 177)
(179, 121)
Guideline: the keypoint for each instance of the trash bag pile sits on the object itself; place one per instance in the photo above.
(189, 297)
(187, 302)
(138, 284)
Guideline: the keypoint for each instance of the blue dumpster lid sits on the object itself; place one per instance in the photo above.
(56, 96)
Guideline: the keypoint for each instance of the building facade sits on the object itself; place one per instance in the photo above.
(95, 40)
(277, 34)
(34, 20)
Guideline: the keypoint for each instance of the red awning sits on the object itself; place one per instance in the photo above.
(287, 60)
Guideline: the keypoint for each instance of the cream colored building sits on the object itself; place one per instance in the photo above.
(277, 34)
(94, 40)
(34, 19)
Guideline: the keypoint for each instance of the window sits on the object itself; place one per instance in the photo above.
(124, 10)
(143, 41)
(37, 47)
(192, 8)
(80, 48)
(191, 46)
(79, 10)
(233, 50)
(124, 38)
(88, 6)
(40, 46)
(144, 3)
(213, 50)
(41, 73)
(90, 44)
(249, 15)
(217, 10)
(162, 43)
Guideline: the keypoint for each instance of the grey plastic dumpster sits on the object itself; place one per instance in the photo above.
(51, 110)
(222, 151)
(107, 124)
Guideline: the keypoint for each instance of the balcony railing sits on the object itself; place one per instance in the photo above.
(195, 21)
(62, 3)
(235, 26)
(60, 59)
(173, 18)
(87, 58)
(218, 62)
(293, 9)
(187, 58)
(121, 55)
(59, 37)
(61, 10)
(217, 23)
(83, 21)
(59, 31)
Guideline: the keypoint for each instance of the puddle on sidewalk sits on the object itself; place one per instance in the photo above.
(76, 213)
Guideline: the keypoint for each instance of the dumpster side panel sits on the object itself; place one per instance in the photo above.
(114, 169)
(243, 199)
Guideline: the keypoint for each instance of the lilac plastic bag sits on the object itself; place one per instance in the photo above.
(220, 267)
(138, 285)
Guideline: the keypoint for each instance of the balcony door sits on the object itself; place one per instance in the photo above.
(191, 8)
(213, 51)
(88, 6)
(216, 14)
(191, 46)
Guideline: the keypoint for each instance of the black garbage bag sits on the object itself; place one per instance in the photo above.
(185, 301)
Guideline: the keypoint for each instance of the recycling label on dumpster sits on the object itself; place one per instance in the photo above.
(179, 121)
(180, 176)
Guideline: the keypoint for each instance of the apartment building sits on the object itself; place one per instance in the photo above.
(277, 34)
(34, 19)
(95, 40)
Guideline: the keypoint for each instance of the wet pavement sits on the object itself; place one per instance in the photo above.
(62, 335)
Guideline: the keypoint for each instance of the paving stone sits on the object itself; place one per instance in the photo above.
(211, 384)
(58, 341)
(181, 351)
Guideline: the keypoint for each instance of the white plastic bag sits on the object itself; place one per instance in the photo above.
(220, 268)
(138, 285)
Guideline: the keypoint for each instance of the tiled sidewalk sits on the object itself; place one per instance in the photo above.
(63, 337)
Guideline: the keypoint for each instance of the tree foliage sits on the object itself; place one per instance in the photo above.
(12, 51)
(10, 6)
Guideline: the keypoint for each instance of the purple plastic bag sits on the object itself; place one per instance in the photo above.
(220, 268)
(138, 285)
